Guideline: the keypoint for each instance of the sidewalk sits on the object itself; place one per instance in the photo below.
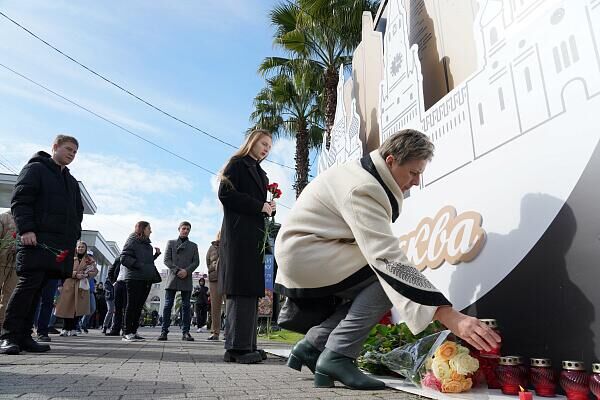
(94, 366)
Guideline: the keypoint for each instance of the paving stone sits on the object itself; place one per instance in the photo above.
(99, 367)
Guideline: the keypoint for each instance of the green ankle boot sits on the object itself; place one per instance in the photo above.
(303, 353)
(333, 366)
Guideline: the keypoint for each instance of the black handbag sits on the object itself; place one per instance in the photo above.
(157, 278)
(301, 314)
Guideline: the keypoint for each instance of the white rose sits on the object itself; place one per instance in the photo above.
(464, 364)
(462, 349)
(440, 369)
(428, 363)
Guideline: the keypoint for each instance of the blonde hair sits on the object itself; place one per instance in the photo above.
(244, 150)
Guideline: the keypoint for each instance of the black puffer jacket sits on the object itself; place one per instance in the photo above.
(138, 257)
(47, 201)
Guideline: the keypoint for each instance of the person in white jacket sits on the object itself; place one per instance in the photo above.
(338, 242)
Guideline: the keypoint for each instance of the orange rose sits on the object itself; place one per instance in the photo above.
(446, 351)
(451, 386)
(467, 384)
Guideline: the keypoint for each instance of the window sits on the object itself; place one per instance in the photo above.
(493, 36)
(480, 107)
(501, 99)
(557, 62)
(565, 54)
(574, 51)
(528, 79)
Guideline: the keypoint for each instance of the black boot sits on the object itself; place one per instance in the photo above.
(303, 353)
(242, 356)
(31, 346)
(9, 346)
(334, 366)
(163, 336)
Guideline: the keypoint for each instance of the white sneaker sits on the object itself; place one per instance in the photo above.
(130, 338)
(63, 333)
(199, 330)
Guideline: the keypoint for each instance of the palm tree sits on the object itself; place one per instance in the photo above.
(326, 32)
(290, 105)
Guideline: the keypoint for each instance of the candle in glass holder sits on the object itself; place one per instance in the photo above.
(523, 371)
(509, 375)
(595, 380)
(543, 377)
(495, 352)
(574, 380)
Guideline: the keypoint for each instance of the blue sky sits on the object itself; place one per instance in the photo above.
(195, 59)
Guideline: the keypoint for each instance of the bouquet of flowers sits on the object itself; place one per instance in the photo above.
(450, 369)
(433, 362)
(275, 193)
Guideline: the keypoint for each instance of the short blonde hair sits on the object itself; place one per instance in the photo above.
(60, 139)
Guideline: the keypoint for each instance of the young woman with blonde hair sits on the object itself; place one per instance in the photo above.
(243, 193)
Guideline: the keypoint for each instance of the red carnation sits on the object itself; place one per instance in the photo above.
(14, 235)
(62, 256)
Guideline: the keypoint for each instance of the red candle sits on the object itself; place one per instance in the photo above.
(574, 380)
(543, 377)
(525, 395)
(495, 352)
(595, 381)
(509, 375)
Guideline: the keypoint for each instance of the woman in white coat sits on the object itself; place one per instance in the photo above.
(338, 243)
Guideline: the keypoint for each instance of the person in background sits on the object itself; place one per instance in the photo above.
(138, 259)
(243, 193)
(201, 306)
(182, 259)
(74, 300)
(8, 249)
(116, 274)
(101, 308)
(47, 208)
(109, 299)
(216, 299)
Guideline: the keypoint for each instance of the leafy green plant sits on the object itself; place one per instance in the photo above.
(383, 339)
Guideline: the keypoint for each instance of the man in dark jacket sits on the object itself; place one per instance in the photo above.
(47, 208)
(182, 258)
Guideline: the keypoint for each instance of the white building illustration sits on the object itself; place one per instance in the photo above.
(525, 69)
(345, 141)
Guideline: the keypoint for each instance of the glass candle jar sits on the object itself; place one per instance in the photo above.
(495, 352)
(595, 380)
(543, 377)
(509, 375)
(523, 371)
(574, 380)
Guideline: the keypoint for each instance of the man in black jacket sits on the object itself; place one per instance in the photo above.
(47, 207)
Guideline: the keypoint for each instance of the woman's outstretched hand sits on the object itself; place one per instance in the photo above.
(475, 332)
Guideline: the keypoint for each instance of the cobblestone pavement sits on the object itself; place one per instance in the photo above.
(94, 366)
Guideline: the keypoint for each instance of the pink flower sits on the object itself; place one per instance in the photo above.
(430, 381)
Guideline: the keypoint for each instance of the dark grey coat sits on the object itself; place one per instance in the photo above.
(181, 255)
(138, 257)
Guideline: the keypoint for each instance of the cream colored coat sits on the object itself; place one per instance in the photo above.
(74, 301)
(341, 223)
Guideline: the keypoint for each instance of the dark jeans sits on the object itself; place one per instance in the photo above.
(120, 304)
(46, 306)
(22, 304)
(241, 323)
(185, 309)
(201, 314)
(137, 292)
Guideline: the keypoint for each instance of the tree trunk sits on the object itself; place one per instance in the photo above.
(302, 142)
(331, 82)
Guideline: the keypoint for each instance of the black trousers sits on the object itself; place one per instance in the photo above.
(120, 304)
(201, 314)
(241, 322)
(137, 292)
(21, 307)
(69, 324)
